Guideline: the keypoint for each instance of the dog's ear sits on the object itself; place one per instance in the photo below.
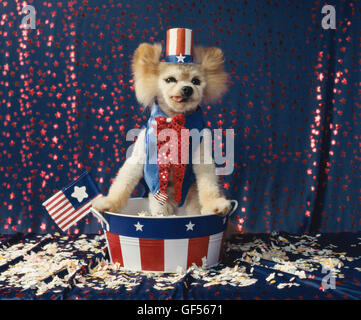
(212, 62)
(145, 67)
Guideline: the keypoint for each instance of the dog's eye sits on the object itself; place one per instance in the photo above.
(170, 79)
(196, 81)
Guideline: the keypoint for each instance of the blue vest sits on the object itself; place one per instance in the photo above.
(151, 176)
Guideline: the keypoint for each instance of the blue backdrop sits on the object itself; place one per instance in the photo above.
(67, 103)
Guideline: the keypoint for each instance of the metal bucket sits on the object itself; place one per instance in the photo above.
(157, 243)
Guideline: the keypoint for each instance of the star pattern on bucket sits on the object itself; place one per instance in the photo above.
(190, 226)
(138, 226)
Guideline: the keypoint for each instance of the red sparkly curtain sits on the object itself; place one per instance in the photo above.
(67, 103)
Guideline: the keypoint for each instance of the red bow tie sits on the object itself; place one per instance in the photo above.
(170, 154)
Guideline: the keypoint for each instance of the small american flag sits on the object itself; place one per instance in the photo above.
(72, 203)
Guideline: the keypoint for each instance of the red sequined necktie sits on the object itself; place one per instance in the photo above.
(176, 138)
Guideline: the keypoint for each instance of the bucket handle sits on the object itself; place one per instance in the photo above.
(100, 217)
(235, 206)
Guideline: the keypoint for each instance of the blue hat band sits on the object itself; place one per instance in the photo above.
(179, 58)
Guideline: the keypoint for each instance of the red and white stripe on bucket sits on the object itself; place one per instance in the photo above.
(164, 255)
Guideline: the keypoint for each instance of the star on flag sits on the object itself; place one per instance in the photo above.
(79, 193)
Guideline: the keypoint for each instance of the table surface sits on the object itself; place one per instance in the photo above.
(254, 266)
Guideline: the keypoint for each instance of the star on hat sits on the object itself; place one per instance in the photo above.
(180, 58)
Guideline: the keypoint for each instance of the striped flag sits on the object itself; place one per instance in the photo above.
(72, 203)
(160, 197)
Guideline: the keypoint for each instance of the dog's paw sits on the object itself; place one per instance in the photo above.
(220, 206)
(106, 204)
(162, 210)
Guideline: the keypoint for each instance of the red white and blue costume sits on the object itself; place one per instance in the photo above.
(157, 173)
(179, 49)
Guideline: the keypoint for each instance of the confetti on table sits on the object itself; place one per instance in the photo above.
(50, 265)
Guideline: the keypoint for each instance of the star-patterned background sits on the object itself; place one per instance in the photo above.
(67, 103)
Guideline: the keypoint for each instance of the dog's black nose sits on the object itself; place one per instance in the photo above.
(187, 91)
